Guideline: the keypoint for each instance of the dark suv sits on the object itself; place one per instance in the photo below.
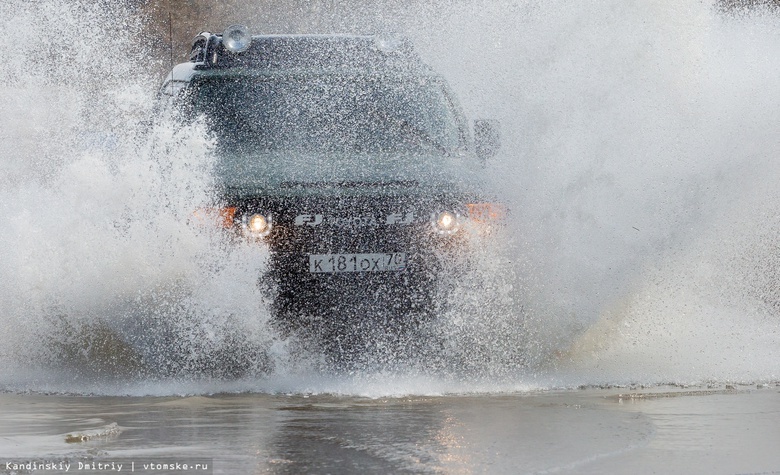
(350, 159)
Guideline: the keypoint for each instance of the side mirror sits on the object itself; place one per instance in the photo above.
(487, 138)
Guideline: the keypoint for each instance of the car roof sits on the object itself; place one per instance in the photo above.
(310, 54)
(314, 52)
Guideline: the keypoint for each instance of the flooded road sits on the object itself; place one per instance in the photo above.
(617, 430)
(630, 325)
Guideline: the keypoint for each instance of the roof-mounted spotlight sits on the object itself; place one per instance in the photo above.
(236, 38)
(388, 43)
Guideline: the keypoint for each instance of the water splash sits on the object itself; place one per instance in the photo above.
(638, 160)
(98, 200)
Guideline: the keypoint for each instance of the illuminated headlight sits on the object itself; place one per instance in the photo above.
(236, 38)
(257, 225)
(446, 222)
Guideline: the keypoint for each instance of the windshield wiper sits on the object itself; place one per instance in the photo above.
(422, 137)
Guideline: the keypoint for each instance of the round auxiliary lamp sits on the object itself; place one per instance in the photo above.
(236, 38)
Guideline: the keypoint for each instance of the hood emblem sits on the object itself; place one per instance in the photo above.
(400, 218)
(308, 219)
(355, 221)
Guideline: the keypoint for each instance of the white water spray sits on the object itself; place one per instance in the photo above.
(639, 161)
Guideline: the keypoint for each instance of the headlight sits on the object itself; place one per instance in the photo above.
(256, 225)
(445, 222)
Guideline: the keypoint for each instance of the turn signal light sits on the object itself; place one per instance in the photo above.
(486, 212)
(224, 217)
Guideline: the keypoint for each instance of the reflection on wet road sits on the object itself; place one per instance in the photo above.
(658, 430)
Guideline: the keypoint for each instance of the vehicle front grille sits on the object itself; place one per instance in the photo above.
(350, 225)
(348, 184)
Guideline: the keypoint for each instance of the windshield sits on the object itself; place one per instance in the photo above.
(328, 113)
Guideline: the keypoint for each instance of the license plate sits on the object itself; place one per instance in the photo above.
(332, 263)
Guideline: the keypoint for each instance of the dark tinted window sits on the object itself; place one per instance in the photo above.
(328, 113)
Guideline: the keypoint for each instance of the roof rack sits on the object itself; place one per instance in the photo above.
(210, 50)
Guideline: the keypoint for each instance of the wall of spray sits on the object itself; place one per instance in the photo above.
(98, 201)
(639, 163)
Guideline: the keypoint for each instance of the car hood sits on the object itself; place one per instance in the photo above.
(348, 174)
